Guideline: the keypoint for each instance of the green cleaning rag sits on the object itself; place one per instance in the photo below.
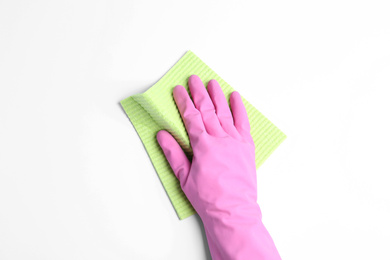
(156, 109)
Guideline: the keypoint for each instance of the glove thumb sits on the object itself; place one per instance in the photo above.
(175, 155)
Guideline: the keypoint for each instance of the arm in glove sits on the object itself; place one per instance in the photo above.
(220, 181)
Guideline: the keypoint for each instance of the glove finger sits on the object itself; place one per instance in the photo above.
(204, 104)
(174, 154)
(241, 121)
(191, 116)
(222, 108)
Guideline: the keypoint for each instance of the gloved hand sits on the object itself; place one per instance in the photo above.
(220, 181)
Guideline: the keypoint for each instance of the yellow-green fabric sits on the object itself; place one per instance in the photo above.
(155, 109)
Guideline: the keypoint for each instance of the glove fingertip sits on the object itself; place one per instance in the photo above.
(162, 137)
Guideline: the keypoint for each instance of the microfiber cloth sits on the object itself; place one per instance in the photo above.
(155, 109)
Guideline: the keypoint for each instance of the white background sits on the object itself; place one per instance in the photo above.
(76, 182)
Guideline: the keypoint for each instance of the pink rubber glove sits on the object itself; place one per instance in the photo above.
(220, 182)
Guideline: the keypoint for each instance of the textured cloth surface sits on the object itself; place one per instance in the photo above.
(155, 110)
